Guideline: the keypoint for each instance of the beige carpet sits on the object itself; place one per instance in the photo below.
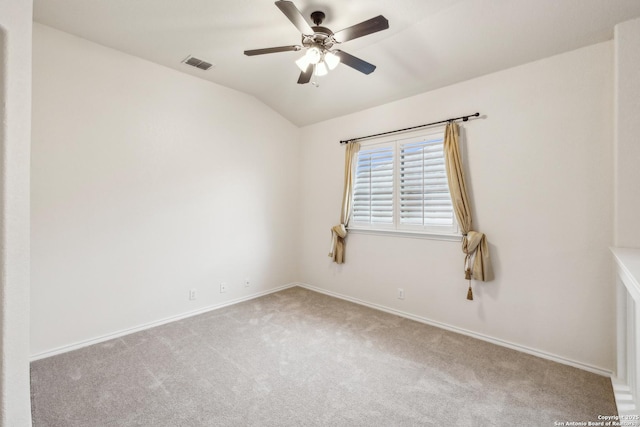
(299, 358)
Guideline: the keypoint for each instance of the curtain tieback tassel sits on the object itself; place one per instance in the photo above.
(467, 276)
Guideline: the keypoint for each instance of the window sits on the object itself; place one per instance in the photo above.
(401, 186)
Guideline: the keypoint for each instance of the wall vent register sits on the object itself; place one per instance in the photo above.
(198, 63)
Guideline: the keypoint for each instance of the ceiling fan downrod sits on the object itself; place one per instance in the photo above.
(317, 17)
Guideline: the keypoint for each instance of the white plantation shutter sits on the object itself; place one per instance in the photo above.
(401, 186)
(424, 198)
(373, 188)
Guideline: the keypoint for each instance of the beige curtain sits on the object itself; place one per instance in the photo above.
(477, 264)
(339, 232)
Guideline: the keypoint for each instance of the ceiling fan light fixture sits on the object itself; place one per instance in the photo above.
(314, 55)
(303, 62)
(321, 69)
(331, 59)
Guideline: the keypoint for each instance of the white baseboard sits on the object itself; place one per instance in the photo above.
(517, 347)
(120, 333)
(503, 343)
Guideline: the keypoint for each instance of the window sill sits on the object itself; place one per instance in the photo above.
(410, 234)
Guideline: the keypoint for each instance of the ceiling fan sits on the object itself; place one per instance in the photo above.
(320, 57)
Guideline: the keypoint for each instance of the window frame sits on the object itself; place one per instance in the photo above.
(448, 233)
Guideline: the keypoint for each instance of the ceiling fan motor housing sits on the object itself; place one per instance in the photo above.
(322, 36)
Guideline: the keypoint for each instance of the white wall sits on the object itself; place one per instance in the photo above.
(540, 172)
(627, 126)
(147, 182)
(15, 129)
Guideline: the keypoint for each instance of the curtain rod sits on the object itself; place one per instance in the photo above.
(463, 118)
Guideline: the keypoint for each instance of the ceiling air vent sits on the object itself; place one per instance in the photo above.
(198, 63)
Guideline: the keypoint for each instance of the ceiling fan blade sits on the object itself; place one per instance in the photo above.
(364, 28)
(305, 76)
(355, 63)
(291, 11)
(271, 50)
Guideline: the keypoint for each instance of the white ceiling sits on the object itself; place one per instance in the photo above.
(430, 43)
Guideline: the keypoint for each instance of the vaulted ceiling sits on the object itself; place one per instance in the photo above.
(429, 43)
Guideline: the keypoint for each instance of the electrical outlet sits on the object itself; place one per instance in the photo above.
(400, 293)
(192, 294)
(223, 287)
(247, 282)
